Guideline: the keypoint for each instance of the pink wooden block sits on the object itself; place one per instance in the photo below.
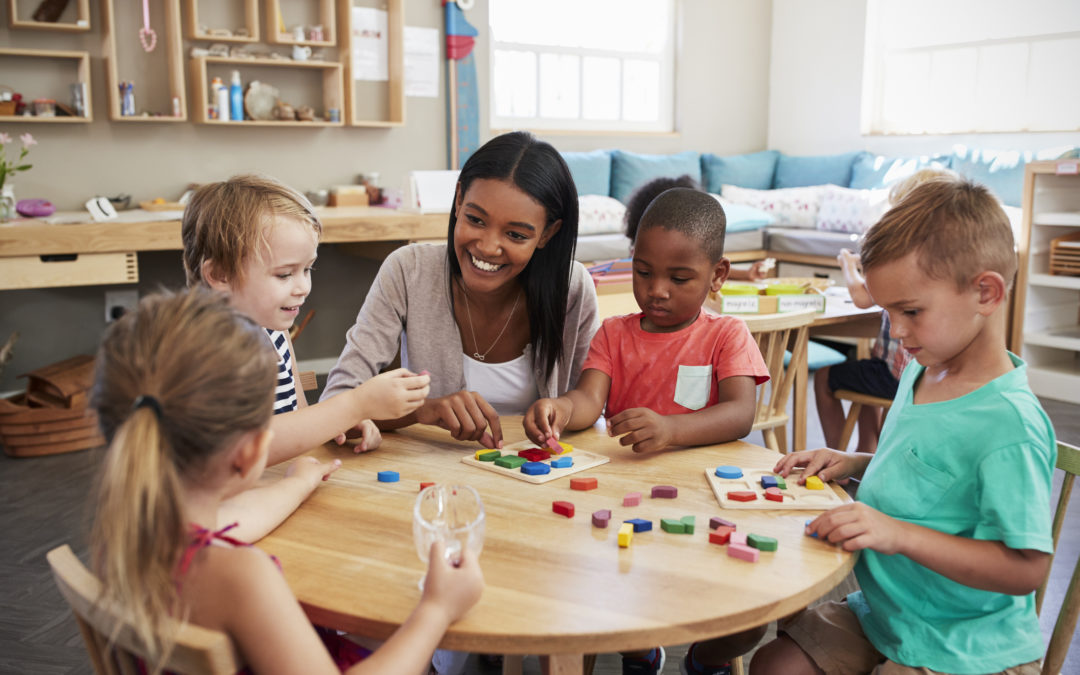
(632, 499)
(774, 494)
(743, 552)
(738, 538)
(601, 518)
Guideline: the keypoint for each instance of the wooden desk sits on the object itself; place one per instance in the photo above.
(555, 586)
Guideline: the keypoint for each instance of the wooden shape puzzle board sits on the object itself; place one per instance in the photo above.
(583, 460)
(795, 496)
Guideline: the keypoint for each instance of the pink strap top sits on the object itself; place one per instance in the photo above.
(202, 538)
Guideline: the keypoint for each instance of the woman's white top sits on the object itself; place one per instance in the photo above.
(510, 387)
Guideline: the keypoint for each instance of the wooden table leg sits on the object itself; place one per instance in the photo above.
(512, 664)
(798, 413)
(562, 664)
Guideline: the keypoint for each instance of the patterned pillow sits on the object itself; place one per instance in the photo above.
(792, 207)
(850, 210)
(599, 214)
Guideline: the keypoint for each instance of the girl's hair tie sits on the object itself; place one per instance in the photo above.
(148, 401)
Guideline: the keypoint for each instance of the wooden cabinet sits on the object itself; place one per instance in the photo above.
(34, 73)
(1050, 311)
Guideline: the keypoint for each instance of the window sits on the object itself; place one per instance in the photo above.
(583, 64)
(971, 66)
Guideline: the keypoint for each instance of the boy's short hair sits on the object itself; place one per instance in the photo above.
(696, 214)
(956, 226)
(645, 193)
(224, 222)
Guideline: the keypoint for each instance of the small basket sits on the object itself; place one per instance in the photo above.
(1065, 255)
(7, 107)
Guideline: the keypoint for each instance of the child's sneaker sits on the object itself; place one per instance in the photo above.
(691, 666)
(651, 664)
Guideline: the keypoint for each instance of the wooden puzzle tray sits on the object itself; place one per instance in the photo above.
(795, 496)
(583, 461)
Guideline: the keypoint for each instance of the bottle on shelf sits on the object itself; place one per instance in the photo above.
(236, 98)
(216, 112)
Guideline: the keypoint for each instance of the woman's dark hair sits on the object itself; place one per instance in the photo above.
(645, 193)
(538, 170)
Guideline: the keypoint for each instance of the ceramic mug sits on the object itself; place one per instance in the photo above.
(301, 52)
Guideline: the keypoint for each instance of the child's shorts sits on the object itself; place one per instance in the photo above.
(866, 376)
(832, 637)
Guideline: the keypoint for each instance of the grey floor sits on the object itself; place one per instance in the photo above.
(44, 503)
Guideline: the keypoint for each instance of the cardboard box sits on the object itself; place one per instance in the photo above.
(348, 195)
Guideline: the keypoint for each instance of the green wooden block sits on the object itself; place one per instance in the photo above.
(672, 525)
(761, 542)
(490, 456)
(781, 483)
(510, 461)
(688, 524)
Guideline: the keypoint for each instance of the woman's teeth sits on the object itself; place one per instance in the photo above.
(480, 264)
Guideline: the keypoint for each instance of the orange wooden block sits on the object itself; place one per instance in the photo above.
(742, 495)
(424, 485)
(583, 483)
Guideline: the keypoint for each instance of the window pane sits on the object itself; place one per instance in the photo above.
(952, 90)
(515, 82)
(1054, 95)
(560, 86)
(1001, 90)
(601, 89)
(641, 90)
(619, 25)
(905, 91)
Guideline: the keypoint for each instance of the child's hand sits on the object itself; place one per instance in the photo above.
(393, 394)
(369, 435)
(760, 269)
(858, 526)
(453, 588)
(849, 262)
(311, 470)
(546, 418)
(824, 463)
(466, 415)
(644, 429)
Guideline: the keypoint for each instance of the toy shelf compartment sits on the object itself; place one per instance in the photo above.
(169, 43)
(251, 23)
(81, 24)
(375, 104)
(277, 24)
(81, 62)
(1065, 255)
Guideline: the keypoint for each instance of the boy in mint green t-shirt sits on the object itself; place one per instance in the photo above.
(953, 512)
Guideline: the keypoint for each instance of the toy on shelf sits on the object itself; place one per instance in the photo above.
(52, 415)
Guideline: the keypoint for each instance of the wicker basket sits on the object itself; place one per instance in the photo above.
(1065, 255)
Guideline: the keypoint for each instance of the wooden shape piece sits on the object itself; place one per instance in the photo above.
(510, 461)
(743, 552)
(688, 524)
(773, 494)
(632, 499)
(534, 454)
(535, 468)
(814, 483)
(563, 508)
(727, 471)
(584, 483)
(738, 538)
(672, 526)
(781, 483)
(717, 522)
(562, 462)
(389, 476)
(742, 495)
(601, 518)
(768, 482)
(640, 524)
(426, 484)
(626, 535)
(665, 492)
(721, 536)
(488, 455)
(761, 542)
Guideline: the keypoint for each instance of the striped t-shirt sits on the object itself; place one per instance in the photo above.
(285, 391)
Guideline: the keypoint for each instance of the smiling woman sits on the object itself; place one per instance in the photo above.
(500, 315)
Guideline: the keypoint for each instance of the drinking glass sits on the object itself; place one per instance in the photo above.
(452, 514)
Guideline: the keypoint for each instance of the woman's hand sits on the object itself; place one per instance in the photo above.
(824, 463)
(393, 394)
(453, 587)
(642, 428)
(466, 415)
(546, 418)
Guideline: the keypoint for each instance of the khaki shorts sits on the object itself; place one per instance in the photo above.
(832, 637)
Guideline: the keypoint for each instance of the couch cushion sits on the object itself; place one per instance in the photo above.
(877, 171)
(743, 218)
(794, 171)
(591, 171)
(630, 170)
(849, 210)
(600, 214)
(754, 170)
(792, 207)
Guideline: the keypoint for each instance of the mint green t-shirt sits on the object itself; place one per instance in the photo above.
(978, 466)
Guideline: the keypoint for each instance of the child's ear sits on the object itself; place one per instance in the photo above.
(251, 452)
(214, 277)
(720, 273)
(992, 291)
(549, 232)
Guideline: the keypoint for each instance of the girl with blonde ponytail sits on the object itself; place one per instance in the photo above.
(184, 391)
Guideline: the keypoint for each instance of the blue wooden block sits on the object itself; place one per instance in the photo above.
(535, 468)
(562, 462)
(814, 535)
(725, 471)
(769, 482)
(389, 477)
(640, 524)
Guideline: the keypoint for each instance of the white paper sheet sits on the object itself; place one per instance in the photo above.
(369, 44)
(421, 61)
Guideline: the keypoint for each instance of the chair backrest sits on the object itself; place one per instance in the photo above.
(775, 334)
(197, 650)
(1068, 460)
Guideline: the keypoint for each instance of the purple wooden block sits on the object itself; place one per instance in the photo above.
(717, 521)
(665, 492)
(601, 518)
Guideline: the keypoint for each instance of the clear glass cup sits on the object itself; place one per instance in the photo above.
(452, 514)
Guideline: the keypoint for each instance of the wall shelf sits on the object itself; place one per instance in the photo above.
(390, 96)
(168, 39)
(81, 62)
(278, 31)
(80, 25)
(251, 24)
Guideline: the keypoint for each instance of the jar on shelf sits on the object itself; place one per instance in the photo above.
(7, 202)
(44, 107)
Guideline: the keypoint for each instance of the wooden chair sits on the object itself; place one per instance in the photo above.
(857, 402)
(1068, 460)
(197, 650)
(775, 334)
(308, 381)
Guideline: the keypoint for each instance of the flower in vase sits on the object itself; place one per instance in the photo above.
(10, 167)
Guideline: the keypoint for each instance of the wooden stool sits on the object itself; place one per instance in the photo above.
(857, 402)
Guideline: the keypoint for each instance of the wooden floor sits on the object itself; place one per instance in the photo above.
(44, 502)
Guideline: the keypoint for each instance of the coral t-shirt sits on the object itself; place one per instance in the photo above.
(672, 373)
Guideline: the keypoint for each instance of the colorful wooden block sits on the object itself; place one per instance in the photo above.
(535, 468)
(716, 522)
(563, 508)
(510, 461)
(626, 535)
(811, 534)
(562, 462)
(566, 447)
(721, 536)
(488, 455)
(781, 483)
(601, 518)
(768, 482)
(426, 484)
(389, 476)
(584, 483)
(742, 495)
(773, 494)
(534, 454)
(738, 538)
(727, 471)
(743, 552)
(672, 526)
(665, 492)
(632, 499)
(640, 524)
(814, 483)
(553, 444)
(761, 542)
(688, 524)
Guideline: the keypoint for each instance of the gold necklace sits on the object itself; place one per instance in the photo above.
(468, 312)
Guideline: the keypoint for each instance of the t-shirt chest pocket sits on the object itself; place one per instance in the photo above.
(693, 385)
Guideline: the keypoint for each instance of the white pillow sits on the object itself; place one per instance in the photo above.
(792, 207)
(851, 210)
(600, 214)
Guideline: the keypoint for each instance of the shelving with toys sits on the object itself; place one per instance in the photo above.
(287, 23)
(50, 16)
(34, 75)
(211, 24)
(143, 46)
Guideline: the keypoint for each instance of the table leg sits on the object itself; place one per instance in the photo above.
(562, 664)
(512, 664)
(798, 415)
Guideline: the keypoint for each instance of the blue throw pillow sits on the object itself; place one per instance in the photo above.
(754, 170)
(741, 218)
(591, 171)
(877, 171)
(630, 170)
(793, 171)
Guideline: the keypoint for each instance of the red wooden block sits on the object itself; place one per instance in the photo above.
(424, 485)
(721, 535)
(563, 509)
(742, 495)
(774, 494)
(583, 483)
(534, 454)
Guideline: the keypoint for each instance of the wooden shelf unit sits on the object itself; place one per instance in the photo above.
(395, 94)
(251, 23)
(274, 19)
(331, 84)
(171, 41)
(82, 65)
(81, 24)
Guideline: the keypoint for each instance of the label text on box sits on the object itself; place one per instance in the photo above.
(796, 303)
(736, 304)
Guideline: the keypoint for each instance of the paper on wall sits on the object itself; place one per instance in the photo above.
(421, 61)
(370, 54)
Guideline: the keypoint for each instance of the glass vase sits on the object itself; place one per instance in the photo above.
(7, 203)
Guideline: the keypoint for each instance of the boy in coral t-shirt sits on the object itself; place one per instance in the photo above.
(671, 375)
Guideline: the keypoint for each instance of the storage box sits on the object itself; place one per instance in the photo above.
(348, 195)
(1065, 255)
(764, 304)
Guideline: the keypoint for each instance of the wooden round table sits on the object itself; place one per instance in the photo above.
(554, 585)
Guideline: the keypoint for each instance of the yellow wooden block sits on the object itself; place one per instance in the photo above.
(814, 483)
(626, 535)
(566, 447)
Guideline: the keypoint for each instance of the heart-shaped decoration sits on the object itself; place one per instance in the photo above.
(148, 35)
